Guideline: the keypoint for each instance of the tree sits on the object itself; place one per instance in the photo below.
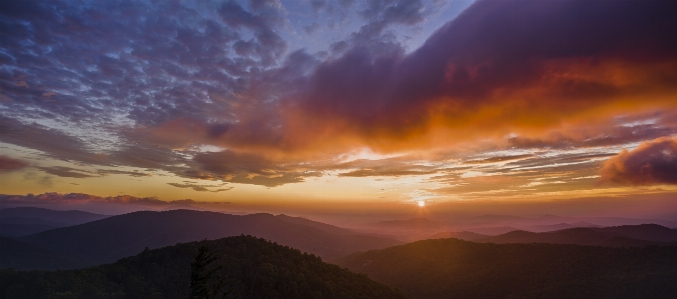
(202, 277)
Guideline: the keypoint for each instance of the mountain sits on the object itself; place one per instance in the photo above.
(619, 221)
(21, 226)
(249, 268)
(183, 206)
(617, 236)
(491, 230)
(495, 218)
(452, 268)
(647, 232)
(560, 226)
(25, 221)
(543, 223)
(318, 225)
(466, 236)
(22, 256)
(407, 230)
(110, 239)
(579, 236)
(409, 224)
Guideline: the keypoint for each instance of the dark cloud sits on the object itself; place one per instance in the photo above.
(149, 156)
(267, 46)
(201, 188)
(602, 136)
(59, 145)
(509, 55)
(153, 62)
(8, 164)
(137, 174)
(248, 169)
(312, 28)
(53, 142)
(259, 4)
(81, 198)
(387, 12)
(653, 162)
(67, 172)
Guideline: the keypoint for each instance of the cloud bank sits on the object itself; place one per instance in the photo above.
(652, 163)
(213, 90)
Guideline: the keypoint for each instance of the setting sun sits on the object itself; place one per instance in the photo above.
(421, 203)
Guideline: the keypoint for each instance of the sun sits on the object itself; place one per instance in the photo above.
(421, 203)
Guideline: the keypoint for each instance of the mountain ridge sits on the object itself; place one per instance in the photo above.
(245, 267)
(452, 268)
(112, 238)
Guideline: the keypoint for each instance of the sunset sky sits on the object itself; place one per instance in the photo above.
(511, 106)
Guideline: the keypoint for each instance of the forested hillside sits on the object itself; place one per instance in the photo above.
(244, 267)
(451, 268)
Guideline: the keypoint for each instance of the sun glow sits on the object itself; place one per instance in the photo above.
(421, 203)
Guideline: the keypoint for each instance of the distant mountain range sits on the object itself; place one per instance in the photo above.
(408, 224)
(579, 236)
(466, 236)
(246, 266)
(547, 222)
(617, 236)
(414, 229)
(15, 222)
(560, 226)
(452, 268)
(115, 237)
(443, 267)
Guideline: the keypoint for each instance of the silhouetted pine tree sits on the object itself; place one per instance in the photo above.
(204, 284)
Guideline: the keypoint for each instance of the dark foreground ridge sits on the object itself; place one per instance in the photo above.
(249, 268)
(451, 268)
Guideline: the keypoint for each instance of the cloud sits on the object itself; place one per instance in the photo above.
(67, 172)
(196, 55)
(247, 168)
(652, 163)
(200, 188)
(501, 67)
(374, 172)
(8, 164)
(312, 28)
(498, 159)
(407, 12)
(130, 173)
(602, 135)
(171, 78)
(57, 198)
(393, 167)
(53, 142)
(81, 198)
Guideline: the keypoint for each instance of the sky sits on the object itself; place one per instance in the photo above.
(487, 106)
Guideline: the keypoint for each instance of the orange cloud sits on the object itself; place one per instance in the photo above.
(502, 68)
(652, 163)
